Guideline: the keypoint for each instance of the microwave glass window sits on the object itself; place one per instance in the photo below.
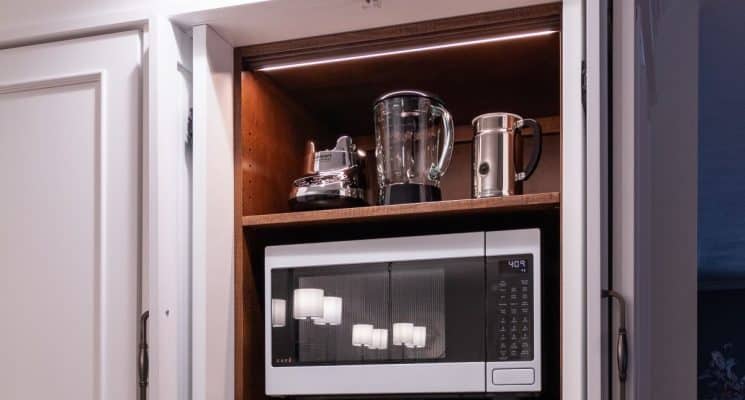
(360, 300)
(510, 328)
(418, 311)
(378, 313)
(443, 300)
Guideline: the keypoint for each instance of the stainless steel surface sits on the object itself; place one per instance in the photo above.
(497, 153)
(414, 140)
(499, 121)
(330, 185)
(335, 178)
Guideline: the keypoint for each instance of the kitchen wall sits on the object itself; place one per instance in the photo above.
(721, 216)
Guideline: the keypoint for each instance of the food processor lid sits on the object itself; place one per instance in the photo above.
(410, 93)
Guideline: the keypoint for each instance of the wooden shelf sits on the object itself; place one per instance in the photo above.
(402, 211)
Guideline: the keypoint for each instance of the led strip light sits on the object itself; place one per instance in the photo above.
(407, 51)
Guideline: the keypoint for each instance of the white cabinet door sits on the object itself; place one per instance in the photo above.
(573, 206)
(70, 136)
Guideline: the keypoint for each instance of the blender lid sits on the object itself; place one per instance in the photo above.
(410, 93)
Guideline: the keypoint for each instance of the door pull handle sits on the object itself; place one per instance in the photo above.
(143, 362)
(622, 347)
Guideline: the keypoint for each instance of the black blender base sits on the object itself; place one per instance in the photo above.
(409, 193)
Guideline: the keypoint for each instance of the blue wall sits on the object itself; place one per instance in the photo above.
(721, 182)
(722, 140)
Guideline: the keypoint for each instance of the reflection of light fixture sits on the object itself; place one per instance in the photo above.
(362, 335)
(406, 51)
(279, 307)
(331, 311)
(403, 333)
(420, 336)
(379, 339)
(307, 303)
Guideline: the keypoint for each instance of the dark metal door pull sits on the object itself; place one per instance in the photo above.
(143, 362)
(622, 350)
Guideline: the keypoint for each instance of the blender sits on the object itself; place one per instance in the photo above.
(414, 138)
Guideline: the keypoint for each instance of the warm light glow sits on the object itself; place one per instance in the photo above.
(362, 335)
(331, 311)
(403, 333)
(379, 339)
(407, 51)
(279, 312)
(420, 336)
(307, 303)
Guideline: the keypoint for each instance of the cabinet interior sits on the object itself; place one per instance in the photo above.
(279, 110)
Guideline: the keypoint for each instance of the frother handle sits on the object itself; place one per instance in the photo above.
(536, 128)
(436, 171)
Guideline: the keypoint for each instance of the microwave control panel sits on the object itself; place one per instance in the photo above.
(510, 304)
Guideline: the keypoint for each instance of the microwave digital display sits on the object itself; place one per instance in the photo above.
(513, 265)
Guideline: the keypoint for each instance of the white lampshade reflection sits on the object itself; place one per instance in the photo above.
(379, 339)
(362, 335)
(279, 312)
(420, 336)
(331, 311)
(403, 333)
(307, 303)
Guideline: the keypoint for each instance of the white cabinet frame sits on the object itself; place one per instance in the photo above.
(233, 23)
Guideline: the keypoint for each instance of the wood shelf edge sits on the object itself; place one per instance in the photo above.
(376, 213)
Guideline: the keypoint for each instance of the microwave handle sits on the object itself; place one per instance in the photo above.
(622, 349)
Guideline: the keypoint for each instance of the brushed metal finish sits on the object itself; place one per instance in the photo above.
(331, 174)
(496, 152)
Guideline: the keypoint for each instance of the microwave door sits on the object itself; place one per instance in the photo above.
(395, 326)
(406, 327)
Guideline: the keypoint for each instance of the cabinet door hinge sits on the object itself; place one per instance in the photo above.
(143, 362)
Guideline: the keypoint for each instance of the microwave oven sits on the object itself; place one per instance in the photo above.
(434, 314)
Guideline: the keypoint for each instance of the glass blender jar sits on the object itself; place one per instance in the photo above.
(414, 137)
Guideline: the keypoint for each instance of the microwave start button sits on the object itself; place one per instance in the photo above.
(513, 376)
